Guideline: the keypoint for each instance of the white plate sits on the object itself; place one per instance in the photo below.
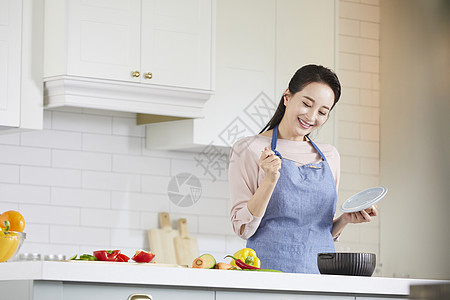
(364, 199)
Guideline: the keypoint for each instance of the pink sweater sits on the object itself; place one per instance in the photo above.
(245, 174)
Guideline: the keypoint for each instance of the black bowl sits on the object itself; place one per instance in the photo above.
(346, 263)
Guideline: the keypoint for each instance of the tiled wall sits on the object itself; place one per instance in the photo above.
(87, 181)
(359, 113)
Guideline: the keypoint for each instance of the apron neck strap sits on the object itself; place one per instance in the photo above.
(273, 144)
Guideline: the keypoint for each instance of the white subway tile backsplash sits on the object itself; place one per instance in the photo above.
(370, 64)
(370, 166)
(25, 155)
(20, 193)
(204, 206)
(50, 176)
(111, 181)
(215, 225)
(208, 243)
(359, 114)
(140, 201)
(370, 132)
(80, 197)
(349, 27)
(350, 96)
(155, 184)
(234, 242)
(94, 217)
(79, 235)
(215, 189)
(355, 79)
(362, 12)
(52, 139)
(349, 130)
(127, 127)
(356, 45)
(359, 182)
(9, 139)
(359, 148)
(128, 238)
(141, 165)
(81, 160)
(349, 61)
(44, 214)
(370, 98)
(350, 164)
(81, 122)
(9, 173)
(112, 144)
(149, 220)
(370, 30)
(37, 233)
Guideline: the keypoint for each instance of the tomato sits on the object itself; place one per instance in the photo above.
(16, 220)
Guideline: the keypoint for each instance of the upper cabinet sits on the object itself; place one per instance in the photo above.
(259, 46)
(21, 91)
(145, 56)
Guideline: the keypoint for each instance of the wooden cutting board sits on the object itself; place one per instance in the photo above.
(162, 240)
(186, 247)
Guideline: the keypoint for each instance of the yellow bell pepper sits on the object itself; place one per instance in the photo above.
(8, 244)
(248, 256)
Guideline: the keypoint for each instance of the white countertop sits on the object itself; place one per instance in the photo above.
(152, 274)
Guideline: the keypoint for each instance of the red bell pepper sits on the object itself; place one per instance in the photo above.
(142, 256)
(106, 255)
(122, 258)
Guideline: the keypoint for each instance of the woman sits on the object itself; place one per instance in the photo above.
(283, 186)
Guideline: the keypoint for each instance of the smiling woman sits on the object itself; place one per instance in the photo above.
(285, 207)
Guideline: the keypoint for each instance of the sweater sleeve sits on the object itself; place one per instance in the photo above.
(243, 175)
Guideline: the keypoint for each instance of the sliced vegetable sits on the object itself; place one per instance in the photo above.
(224, 266)
(88, 257)
(142, 256)
(198, 263)
(106, 255)
(242, 264)
(122, 258)
(210, 261)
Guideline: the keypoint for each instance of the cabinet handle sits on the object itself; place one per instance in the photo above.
(148, 75)
(139, 297)
(135, 74)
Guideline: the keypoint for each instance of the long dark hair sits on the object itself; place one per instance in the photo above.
(304, 76)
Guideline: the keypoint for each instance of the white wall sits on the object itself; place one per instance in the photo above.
(415, 145)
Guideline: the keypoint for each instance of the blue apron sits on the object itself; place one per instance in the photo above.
(299, 217)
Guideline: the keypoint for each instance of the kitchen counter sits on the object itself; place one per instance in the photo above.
(212, 280)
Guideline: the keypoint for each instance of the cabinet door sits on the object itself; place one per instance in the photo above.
(222, 295)
(103, 39)
(176, 42)
(76, 291)
(10, 57)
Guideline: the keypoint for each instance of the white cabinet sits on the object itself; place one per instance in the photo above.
(21, 92)
(259, 46)
(144, 56)
(260, 295)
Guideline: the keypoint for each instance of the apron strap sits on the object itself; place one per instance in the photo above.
(317, 148)
(273, 144)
